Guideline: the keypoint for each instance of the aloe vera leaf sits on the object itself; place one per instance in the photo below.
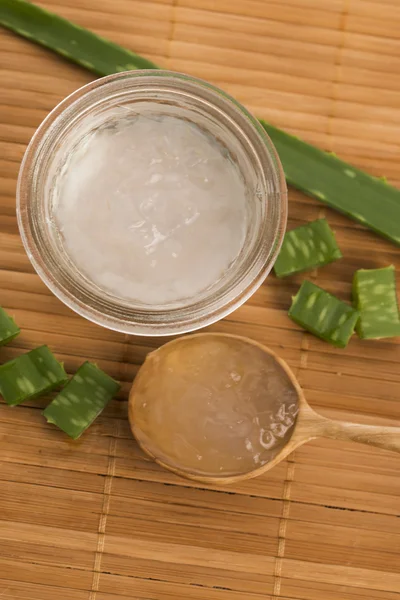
(307, 247)
(75, 43)
(360, 196)
(366, 199)
(30, 375)
(374, 293)
(323, 314)
(8, 328)
(81, 400)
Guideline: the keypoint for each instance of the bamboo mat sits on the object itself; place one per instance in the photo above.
(95, 519)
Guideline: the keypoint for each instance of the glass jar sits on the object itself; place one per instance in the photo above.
(173, 94)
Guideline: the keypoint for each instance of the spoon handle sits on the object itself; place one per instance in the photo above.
(387, 438)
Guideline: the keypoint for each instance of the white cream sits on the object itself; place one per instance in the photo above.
(151, 209)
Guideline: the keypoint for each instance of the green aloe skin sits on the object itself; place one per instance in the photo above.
(8, 328)
(31, 375)
(363, 198)
(323, 314)
(360, 196)
(71, 41)
(374, 294)
(307, 247)
(82, 400)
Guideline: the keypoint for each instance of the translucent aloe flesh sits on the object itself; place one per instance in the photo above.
(360, 196)
(323, 314)
(75, 43)
(30, 375)
(374, 293)
(8, 328)
(307, 247)
(82, 400)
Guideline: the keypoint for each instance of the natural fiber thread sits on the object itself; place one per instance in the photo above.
(303, 353)
(304, 347)
(283, 526)
(104, 513)
(337, 65)
(124, 376)
(287, 488)
(171, 34)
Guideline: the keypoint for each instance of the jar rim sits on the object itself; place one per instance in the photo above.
(118, 316)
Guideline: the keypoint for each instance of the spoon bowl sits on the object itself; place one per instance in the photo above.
(220, 408)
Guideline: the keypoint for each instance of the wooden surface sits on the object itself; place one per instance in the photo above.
(96, 520)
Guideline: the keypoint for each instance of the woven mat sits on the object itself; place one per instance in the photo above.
(96, 520)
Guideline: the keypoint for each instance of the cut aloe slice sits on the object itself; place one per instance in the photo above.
(323, 314)
(8, 328)
(30, 375)
(374, 293)
(82, 400)
(307, 247)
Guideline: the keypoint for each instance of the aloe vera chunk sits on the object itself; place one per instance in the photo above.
(374, 294)
(8, 328)
(323, 314)
(360, 196)
(75, 43)
(82, 400)
(30, 375)
(307, 247)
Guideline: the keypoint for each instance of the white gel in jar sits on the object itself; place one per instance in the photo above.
(151, 203)
(151, 208)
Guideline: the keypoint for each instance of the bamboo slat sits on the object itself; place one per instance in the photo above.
(96, 519)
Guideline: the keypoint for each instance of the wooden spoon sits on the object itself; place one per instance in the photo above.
(307, 425)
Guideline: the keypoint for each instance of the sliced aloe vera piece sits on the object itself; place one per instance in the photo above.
(374, 293)
(307, 247)
(30, 375)
(71, 41)
(8, 328)
(82, 400)
(360, 196)
(323, 314)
